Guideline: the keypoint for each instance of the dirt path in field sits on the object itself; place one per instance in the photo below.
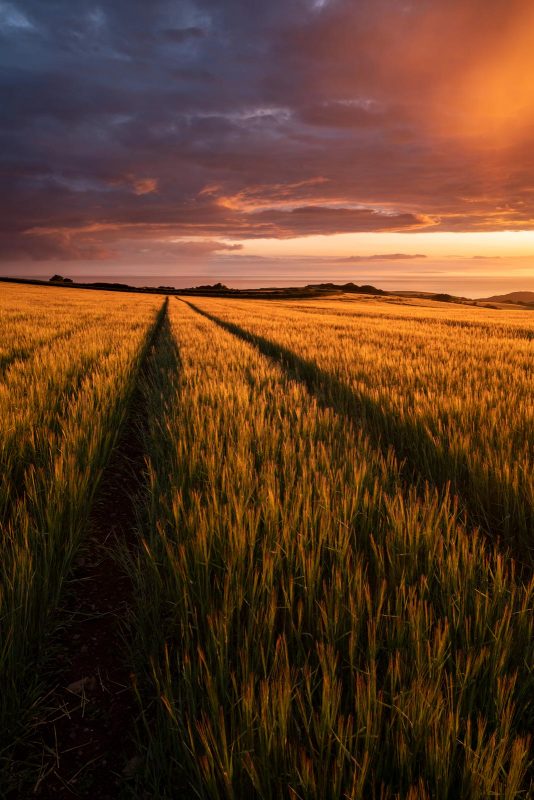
(85, 738)
(387, 430)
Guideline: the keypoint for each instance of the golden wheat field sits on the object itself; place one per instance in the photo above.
(330, 545)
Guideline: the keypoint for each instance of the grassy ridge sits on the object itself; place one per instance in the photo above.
(59, 415)
(454, 400)
(306, 628)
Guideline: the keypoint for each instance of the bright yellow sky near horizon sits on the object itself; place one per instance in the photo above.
(497, 244)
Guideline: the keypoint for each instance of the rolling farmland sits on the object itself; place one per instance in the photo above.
(330, 566)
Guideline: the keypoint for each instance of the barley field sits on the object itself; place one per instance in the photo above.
(68, 365)
(331, 574)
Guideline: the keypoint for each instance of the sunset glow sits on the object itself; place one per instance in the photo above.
(183, 137)
(438, 245)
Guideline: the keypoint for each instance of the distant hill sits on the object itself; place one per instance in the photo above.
(512, 297)
(347, 287)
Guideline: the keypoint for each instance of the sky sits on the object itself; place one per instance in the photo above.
(385, 141)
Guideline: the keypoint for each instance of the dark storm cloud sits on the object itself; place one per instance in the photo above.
(130, 120)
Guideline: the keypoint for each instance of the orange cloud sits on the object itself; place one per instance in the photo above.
(142, 186)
